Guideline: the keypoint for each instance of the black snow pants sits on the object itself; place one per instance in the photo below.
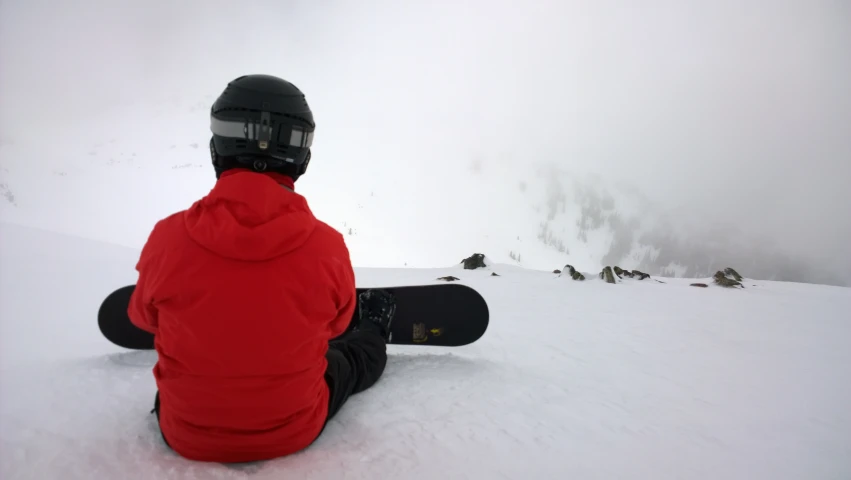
(356, 361)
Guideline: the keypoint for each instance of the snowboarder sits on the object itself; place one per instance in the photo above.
(246, 293)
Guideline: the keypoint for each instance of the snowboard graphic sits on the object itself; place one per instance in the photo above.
(449, 315)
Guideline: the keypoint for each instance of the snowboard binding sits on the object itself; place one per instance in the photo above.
(377, 310)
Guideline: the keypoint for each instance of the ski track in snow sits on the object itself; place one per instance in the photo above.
(572, 380)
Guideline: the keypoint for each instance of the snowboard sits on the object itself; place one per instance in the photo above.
(450, 315)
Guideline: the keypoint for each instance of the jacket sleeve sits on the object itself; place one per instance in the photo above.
(141, 309)
(347, 295)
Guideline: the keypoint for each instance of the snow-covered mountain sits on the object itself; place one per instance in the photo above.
(117, 174)
(638, 380)
(594, 223)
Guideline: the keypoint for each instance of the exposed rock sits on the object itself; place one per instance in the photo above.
(729, 272)
(641, 275)
(450, 278)
(557, 271)
(494, 274)
(572, 273)
(608, 275)
(477, 260)
(621, 273)
(7, 193)
(702, 285)
(726, 281)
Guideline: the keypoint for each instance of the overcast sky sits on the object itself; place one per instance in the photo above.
(729, 110)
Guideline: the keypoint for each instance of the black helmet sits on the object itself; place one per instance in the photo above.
(263, 123)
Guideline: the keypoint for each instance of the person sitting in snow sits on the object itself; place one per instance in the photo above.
(260, 333)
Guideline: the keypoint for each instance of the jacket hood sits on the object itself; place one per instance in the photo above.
(251, 217)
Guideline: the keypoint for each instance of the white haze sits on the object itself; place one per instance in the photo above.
(730, 112)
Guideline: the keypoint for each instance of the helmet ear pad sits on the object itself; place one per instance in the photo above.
(303, 168)
(215, 159)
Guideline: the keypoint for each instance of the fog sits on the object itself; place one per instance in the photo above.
(725, 111)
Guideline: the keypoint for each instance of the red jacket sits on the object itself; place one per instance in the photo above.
(243, 291)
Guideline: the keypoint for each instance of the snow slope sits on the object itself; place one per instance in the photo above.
(573, 380)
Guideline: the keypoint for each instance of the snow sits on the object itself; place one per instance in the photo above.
(675, 269)
(573, 380)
